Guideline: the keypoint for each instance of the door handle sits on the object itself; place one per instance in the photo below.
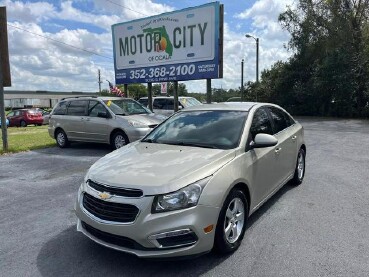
(277, 150)
(294, 137)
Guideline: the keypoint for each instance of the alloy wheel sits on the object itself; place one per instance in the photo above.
(234, 220)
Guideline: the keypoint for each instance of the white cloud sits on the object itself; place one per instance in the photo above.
(38, 63)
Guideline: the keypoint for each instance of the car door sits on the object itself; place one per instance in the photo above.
(286, 148)
(74, 121)
(260, 163)
(96, 128)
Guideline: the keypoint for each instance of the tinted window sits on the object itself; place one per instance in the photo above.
(169, 104)
(160, 104)
(61, 108)
(261, 123)
(143, 102)
(279, 119)
(95, 107)
(77, 107)
(214, 129)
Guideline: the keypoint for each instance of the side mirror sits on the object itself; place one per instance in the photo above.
(180, 107)
(103, 114)
(263, 140)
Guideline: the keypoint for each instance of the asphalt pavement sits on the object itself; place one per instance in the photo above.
(320, 228)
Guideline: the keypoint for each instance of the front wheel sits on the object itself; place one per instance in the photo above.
(61, 139)
(300, 168)
(118, 140)
(23, 123)
(231, 224)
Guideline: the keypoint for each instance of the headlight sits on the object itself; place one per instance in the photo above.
(137, 124)
(181, 199)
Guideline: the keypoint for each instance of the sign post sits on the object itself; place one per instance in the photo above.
(5, 80)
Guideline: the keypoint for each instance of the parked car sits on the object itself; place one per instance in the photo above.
(191, 184)
(165, 105)
(45, 115)
(24, 117)
(113, 120)
(6, 121)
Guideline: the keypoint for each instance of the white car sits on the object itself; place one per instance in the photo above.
(190, 185)
(165, 104)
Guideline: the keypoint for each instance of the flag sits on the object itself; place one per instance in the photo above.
(115, 90)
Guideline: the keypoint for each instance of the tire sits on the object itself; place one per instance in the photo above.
(23, 123)
(61, 139)
(39, 124)
(118, 140)
(300, 168)
(228, 241)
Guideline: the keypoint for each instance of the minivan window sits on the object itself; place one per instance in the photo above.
(77, 107)
(143, 102)
(208, 129)
(126, 107)
(61, 108)
(94, 108)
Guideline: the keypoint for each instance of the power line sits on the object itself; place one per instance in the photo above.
(126, 7)
(58, 41)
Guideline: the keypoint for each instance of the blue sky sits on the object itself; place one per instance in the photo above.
(40, 61)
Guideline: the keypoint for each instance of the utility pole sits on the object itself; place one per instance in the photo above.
(242, 96)
(99, 78)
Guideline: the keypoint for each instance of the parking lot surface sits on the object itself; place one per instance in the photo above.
(320, 228)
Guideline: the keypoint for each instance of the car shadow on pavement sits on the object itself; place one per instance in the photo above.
(72, 254)
(77, 149)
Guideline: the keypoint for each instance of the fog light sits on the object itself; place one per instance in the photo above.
(208, 229)
(174, 239)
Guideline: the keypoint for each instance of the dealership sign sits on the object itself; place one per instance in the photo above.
(181, 45)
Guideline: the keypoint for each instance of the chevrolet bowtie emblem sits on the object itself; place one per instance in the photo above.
(104, 195)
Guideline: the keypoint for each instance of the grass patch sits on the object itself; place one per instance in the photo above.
(28, 138)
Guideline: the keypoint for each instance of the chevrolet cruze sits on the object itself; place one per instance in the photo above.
(190, 185)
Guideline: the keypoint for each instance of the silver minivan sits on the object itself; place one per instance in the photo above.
(113, 120)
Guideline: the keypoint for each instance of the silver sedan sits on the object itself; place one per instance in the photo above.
(190, 185)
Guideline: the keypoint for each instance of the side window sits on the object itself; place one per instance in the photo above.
(169, 104)
(77, 107)
(16, 113)
(159, 104)
(61, 108)
(10, 114)
(261, 123)
(144, 102)
(94, 107)
(279, 119)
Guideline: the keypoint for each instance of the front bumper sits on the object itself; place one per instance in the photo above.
(142, 233)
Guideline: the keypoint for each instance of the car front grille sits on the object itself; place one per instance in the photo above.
(116, 191)
(113, 239)
(110, 211)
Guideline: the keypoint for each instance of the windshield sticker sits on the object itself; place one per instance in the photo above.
(109, 103)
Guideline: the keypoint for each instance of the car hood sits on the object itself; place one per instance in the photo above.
(148, 119)
(157, 168)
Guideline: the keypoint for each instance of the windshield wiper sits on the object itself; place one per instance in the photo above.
(195, 144)
(148, 140)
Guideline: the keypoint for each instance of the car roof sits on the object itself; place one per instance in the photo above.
(228, 106)
(113, 98)
(167, 97)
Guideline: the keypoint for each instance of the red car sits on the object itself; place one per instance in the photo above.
(24, 117)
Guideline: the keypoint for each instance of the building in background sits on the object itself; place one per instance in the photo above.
(16, 99)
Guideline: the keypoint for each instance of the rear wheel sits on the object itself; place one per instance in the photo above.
(61, 139)
(118, 140)
(231, 224)
(300, 168)
(23, 123)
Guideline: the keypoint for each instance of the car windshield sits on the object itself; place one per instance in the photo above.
(126, 107)
(208, 129)
(189, 102)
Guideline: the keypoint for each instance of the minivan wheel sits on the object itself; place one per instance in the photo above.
(231, 224)
(23, 123)
(61, 139)
(118, 140)
(300, 168)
